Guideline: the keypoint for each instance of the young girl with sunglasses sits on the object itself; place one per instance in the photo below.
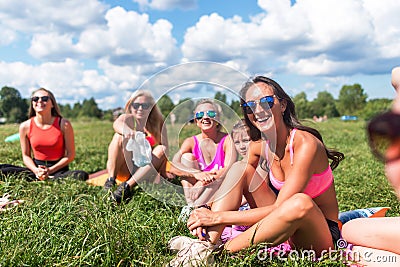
(203, 159)
(295, 160)
(377, 240)
(49, 138)
(142, 114)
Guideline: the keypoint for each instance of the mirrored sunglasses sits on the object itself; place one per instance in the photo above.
(43, 98)
(210, 113)
(266, 102)
(143, 105)
(384, 133)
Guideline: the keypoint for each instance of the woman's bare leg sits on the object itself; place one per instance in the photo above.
(380, 233)
(235, 185)
(298, 219)
(150, 171)
(116, 162)
(189, 160)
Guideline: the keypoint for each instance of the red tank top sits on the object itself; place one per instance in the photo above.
(47, 144)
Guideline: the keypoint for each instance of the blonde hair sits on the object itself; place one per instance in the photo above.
(55, 110)
(155, 121)
(240, 126)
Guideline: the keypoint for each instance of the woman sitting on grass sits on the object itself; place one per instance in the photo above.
(305, 212)
(203, 159)
(377, 240)
(50, 138)
(142, 114)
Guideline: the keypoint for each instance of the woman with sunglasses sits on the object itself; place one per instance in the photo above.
(49, 138)
(203, 159)
(142, 114)
(377, 240)
(295, 160)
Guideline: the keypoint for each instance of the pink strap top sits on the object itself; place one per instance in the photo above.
(219, 158)
(317, 184)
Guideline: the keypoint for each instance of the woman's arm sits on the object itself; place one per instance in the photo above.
(26, 148)
(68, 133)
(125, 125)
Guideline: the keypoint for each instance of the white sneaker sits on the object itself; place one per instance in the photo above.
(197, 253)
(185, 213)
(178, 242)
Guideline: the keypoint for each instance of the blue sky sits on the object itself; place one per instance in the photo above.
(106, 49)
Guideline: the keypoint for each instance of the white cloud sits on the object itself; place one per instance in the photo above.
(311, 37)
(128, 38)
(167, 4)
(50, 15)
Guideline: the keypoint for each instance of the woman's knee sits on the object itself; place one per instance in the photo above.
(189, 160)
(298, 207)
(159, 151)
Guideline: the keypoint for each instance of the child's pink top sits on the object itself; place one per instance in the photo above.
(219, 158)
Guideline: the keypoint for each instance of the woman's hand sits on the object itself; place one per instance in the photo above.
(201, 217)
(205, 177)
(199, 220)
(42, 172)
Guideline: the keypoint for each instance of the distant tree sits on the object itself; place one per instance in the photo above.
(235, 105)
(12, 105)
(76, 110)
(375, 107)
(184, 110)
(221, 97)
(90, 109)
(108, 115)
(352, 100)
(324, 104)
(303, 108)
(166, 105)
(66, 111)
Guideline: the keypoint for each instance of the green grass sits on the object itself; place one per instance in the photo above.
(69, 223)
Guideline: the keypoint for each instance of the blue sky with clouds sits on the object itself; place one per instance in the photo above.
(106, 49)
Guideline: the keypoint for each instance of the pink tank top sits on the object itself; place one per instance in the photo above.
(219, 158)
(317, 184)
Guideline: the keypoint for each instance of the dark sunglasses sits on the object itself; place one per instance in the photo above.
(266, 102)
(210, 113)
(144, 105)
(382, 131)
(43, 98)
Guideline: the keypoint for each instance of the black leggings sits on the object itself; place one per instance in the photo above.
(23, 172)
(335, 232)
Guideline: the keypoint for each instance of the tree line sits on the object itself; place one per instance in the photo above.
(352, 100)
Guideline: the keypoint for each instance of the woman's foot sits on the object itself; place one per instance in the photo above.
(110, 182)
(123, 193)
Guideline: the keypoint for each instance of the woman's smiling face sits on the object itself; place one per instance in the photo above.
(206, 122)
(41, 104)
(262, 118)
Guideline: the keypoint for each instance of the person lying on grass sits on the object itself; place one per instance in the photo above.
(143, 115)
(47, 142)
(305, 212)
(380, 237)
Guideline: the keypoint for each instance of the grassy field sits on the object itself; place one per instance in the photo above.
(69, 223)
